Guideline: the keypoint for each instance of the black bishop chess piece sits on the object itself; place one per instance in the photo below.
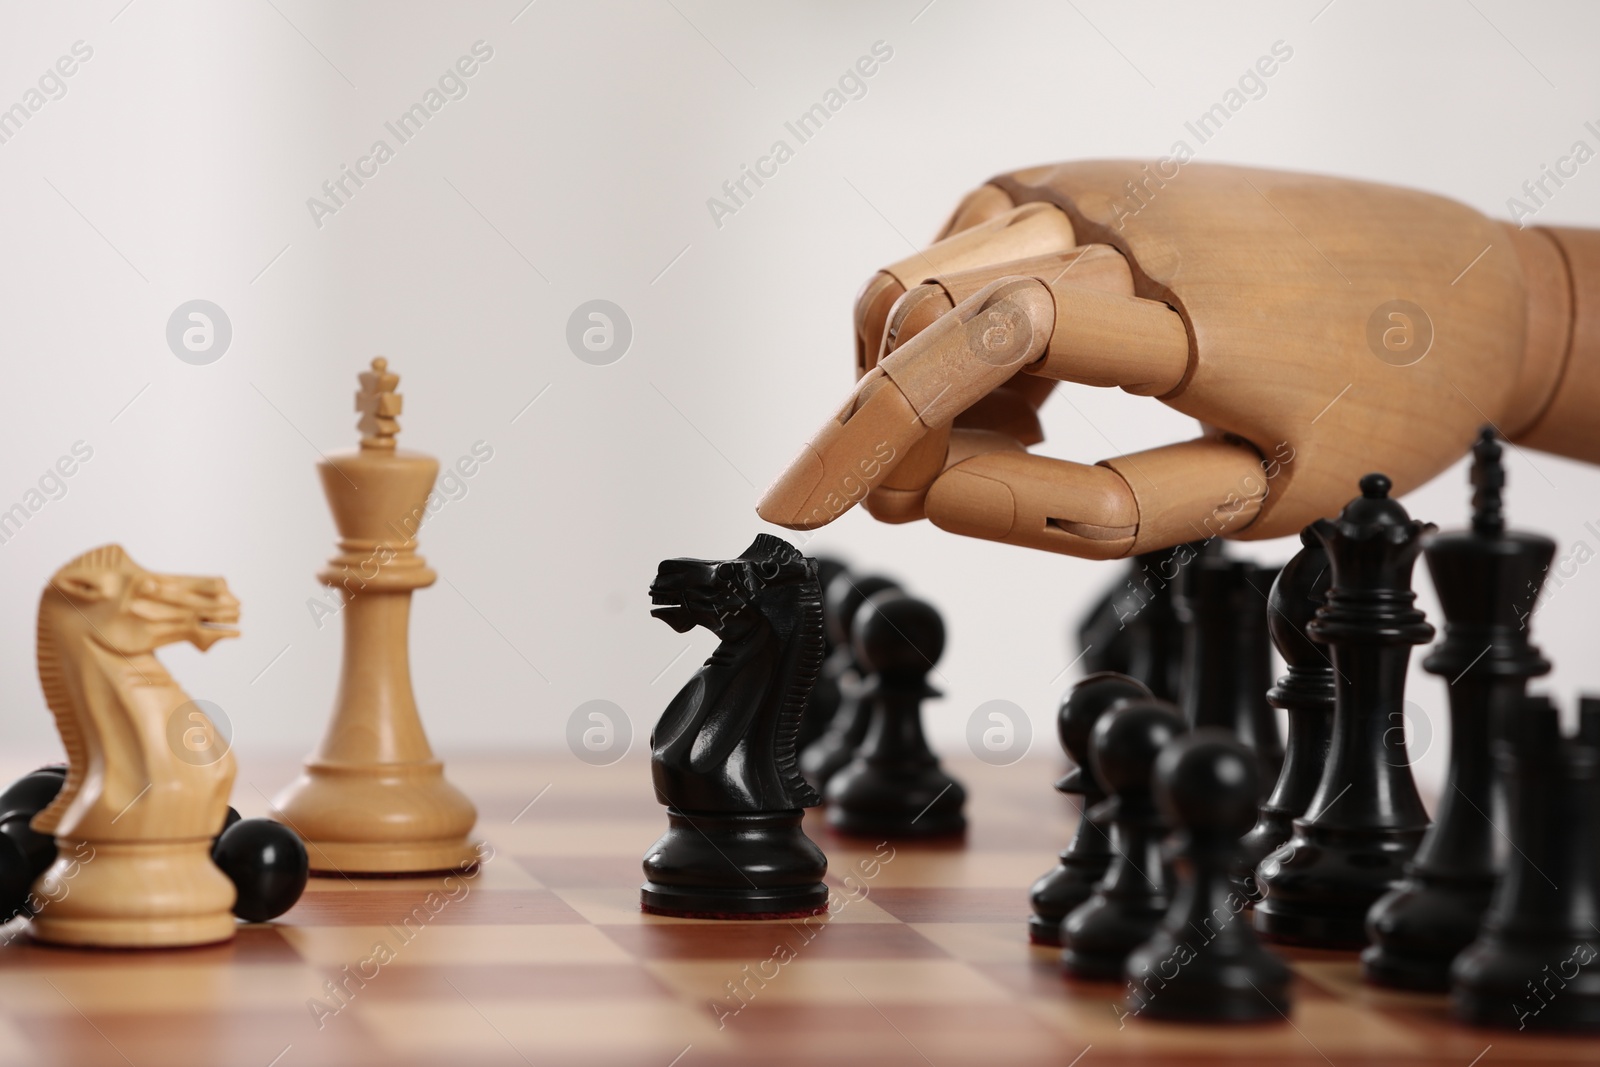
(1305, 693)
(836, 747)
(1488, 579)
(1227, 654)
(823, 703)
(1204, 963)
(1134, 629)
(1536, 962)
(1083, 862)
(1365, 820)
(1130, 900)
(723, 755)
(894, 787)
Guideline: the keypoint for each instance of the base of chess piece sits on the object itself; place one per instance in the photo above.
(868, 799)
(1322, 883)
(384, 819)
(134, 894)
(734, 865)
(1062, 889)
(1513, 982)
(1417, 930)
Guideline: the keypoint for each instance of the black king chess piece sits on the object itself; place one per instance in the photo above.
(1487, 579)
(1365, 820)
(1128, 903)
(723, 755)
(894, 787)
(1536, 962)
(1133, 629)
(1204, 963)
(1305, 693)
(1083, 862)
(1227, 656)
(837, 744)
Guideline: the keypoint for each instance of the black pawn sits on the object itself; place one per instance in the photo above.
(894, 787)
(823, 703)
(1487, 579)
(828, 754)
(1083, 862)
(1536, 962)
(267, 864)
(25, 854)
(1227, 655)
(1305, 693)
(1129, 902)
(1134, 629)
(1204, 962)
(1365, 820)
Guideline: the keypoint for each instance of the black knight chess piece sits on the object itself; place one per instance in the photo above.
(1487, 579)
(1130, 900)
(1083, 862)
(723, 754)
(836, 747)
(894, 787)
(823, 703)
(1204, 963)
(1305, 693)
(1534, 965)
(1365, 820)
(1227, 655)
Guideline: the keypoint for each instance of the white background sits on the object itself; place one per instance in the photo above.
(178, 166)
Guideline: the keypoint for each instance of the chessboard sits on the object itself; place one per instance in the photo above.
(544, 957)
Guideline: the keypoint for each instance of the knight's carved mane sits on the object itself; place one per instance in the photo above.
(802, 657)
(53, 680)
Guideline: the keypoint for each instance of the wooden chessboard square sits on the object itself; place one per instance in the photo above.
(620, 907)
(810, 980)
(440, 945)
(814, 939)
(982, 904)
(606, 1029)
(385, 906)
(530, 981)
(196, 1039)
(562, 871)
(951, 1032)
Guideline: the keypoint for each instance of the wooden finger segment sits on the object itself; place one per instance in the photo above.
(903, 497)
(849, 456)
(1194, 490)
(1567, 424)
(1107, 339)
(1030, 230)
(1037, 502)
(923, 385)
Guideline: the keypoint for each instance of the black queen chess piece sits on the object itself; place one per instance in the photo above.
(1083, 862)
(1203, 963)
(1305, 694)
(894, 787)
(1365, 820)
(1487, 579)
(723, 754)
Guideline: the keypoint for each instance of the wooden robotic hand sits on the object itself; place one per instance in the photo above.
(1318, 328)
